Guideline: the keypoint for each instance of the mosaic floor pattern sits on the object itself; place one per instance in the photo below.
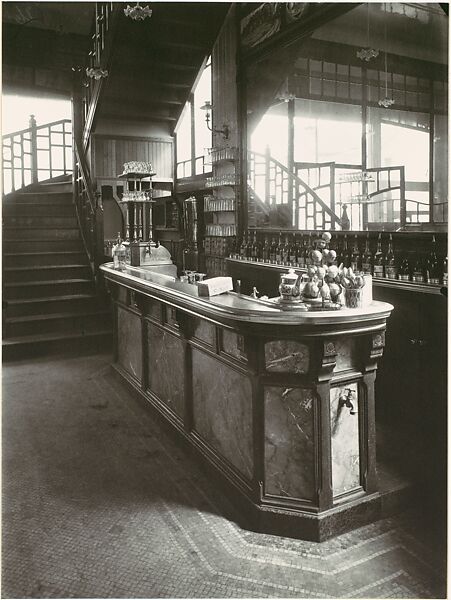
(99, 502)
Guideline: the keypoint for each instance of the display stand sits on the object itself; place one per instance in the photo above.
(138, 222)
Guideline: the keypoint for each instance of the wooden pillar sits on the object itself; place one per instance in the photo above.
(367, 426)
(34, 150)
(323, 454)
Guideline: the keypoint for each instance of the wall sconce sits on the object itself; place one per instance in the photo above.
(96, 72)
(225, 128)
(137, 12)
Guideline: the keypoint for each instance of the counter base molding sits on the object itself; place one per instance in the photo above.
(281, 411)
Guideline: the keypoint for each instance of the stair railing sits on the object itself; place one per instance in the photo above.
(99, 58)
(87, 90)
(271, 180)
(89, 210)
(36, 154)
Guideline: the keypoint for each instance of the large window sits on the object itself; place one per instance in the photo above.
(331, 134)
(193, 138)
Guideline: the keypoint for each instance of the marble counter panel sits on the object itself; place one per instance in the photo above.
(346, 353)
(289, 442)
(129, 342)
(231, 343)
(204, 331)
(222, 399)
(287, 356)
(155, 310)
(344, 440)
(166, 376)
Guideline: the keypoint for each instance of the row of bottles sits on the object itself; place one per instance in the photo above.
(293, 250)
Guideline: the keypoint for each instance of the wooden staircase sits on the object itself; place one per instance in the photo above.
(49, 298)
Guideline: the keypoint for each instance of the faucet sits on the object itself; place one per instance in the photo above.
(255, 293)
(345, 399)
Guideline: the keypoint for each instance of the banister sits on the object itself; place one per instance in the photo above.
(299, 181)
(17, 170)
(84, 172)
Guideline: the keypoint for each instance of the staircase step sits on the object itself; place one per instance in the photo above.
(40, 221)
(44, 209)
(39, 289)
(70, 322)
(39, 233)
(45, 245)
(40, 345)
(51, 304)
(45, 273)
(49, 197)
(30, 259)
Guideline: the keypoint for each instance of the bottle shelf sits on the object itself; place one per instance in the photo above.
(426, 288)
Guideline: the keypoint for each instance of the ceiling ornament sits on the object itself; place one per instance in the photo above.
(137, 12)
(367, 53)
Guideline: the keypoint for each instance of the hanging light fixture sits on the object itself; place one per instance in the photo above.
(137, 12)
(96, 72)
(387, 101)
(225, 128)
(367, 53)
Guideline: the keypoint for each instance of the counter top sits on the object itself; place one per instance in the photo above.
(231, 307)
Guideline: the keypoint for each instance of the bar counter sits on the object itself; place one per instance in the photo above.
(279, 404)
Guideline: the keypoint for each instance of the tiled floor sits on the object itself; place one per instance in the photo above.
(98, 502)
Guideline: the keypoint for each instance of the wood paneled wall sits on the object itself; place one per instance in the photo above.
(224, 88)
(111, 152)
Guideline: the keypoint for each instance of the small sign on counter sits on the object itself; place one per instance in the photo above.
(215, 286)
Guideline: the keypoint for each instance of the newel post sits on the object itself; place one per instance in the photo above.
(34, 150)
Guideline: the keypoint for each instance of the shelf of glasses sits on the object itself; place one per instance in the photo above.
(217, 181)
(214, 204)
(220, 230)
(217, 155)
(353, 177)
(138, 196)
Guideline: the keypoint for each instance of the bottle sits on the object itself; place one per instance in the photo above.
(306, 252)
(135, 253)
(418, 271)
(234, 250)
(119, 254)
(344, 221)
(391, 270)
(355, 261)
(272, 251)
(367, 263)
(432, 265)
(279, 250)
(298, 253)
(378, 260)
(292, 254)
(344, 255)
(251, 247)
(266, 250)
(404, 270)
(445, 271)
(256, 249)
(286, 252)
(243, 248)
